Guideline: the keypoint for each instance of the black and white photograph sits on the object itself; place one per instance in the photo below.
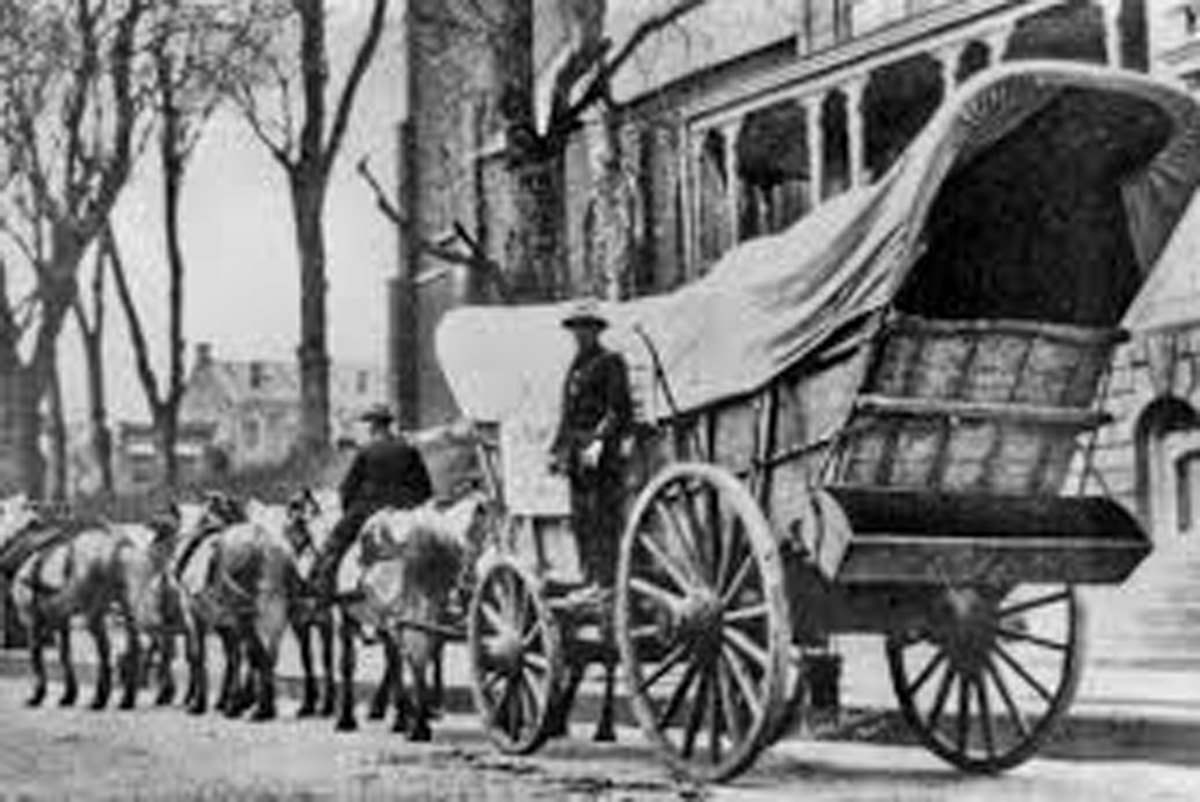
(599, 400)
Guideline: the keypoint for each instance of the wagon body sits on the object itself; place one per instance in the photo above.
(881, 420)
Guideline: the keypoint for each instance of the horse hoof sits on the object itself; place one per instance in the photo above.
(262, 715)
(420, 735)
(67, 700)
(604, 737)
(376, 715)
(36, 700)
(346, 725)
(306, 711)
(99, 703)
(164, 699)
(328, 710)
(127, 704)
(196, 710)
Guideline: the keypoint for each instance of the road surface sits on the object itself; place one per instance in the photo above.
(164, 754)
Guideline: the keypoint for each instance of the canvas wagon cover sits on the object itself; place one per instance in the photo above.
(775, 300)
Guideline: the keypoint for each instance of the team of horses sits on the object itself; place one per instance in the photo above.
(242, 572)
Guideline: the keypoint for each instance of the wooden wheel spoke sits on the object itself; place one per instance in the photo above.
(939, 701)
(1024, 674)
(703, 539)
(669, 662)
(492, 616)
(745, 685)
(732, 714)
(730, 591)
(659, 594)
(531, 701)
(985, 717)
(1037, 640)
(963, 729)
(742, 643)
(678, 695)
(536, 661)
(696, 717)
(682, 577)
(927, 672)
(1010, 705)
(645, 631)
(716, 714)
(1031, 604)
(753, 612)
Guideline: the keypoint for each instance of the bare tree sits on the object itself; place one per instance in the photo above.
(70, 109)
(303, 132)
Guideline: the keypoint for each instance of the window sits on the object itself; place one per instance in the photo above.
(362, 382)
(251, 434)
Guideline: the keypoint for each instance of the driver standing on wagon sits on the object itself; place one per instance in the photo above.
(387, 472)
(596, 414)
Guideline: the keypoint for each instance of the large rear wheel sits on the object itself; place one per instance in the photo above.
(516, 657)
(702, 620)
(986, 678)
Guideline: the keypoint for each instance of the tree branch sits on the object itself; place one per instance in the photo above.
(358, 70)
(137, 333)
(602, 79)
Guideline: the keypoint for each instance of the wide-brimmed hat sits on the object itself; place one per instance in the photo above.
(379, 413)
(584, 313)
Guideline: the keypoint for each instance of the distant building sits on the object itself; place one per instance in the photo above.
(243, 413)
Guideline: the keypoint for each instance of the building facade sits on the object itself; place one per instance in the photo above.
(242, 413)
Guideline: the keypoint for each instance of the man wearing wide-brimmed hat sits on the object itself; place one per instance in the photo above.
(387, 472)
(596, 413)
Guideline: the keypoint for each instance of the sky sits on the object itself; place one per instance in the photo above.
(242, 287)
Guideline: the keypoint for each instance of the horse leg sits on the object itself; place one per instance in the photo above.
(383, 691)
(228, 698)
(419, 731)
(70, 684)
(605, 731)
(166, 676)
(303, 632)
(394, 677)
(37, 630)
(99, 633)
(131, 664)
(325, 629)
(346, 722)
(197, 646)
(560, 712)
(437, 693)
(267, 632)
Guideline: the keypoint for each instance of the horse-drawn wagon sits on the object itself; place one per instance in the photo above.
(882, 420)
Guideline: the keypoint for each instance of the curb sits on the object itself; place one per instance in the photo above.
(1089, 732)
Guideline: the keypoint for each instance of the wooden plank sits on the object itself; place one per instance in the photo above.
(1017, 413)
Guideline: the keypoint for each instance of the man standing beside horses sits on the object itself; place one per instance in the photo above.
(387, 472)
(596, 413)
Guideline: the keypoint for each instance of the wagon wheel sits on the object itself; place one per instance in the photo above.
(516, 657)
(702, 620)
(984, 681)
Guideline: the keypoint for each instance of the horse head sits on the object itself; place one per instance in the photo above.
(302, 511)
(220, 510)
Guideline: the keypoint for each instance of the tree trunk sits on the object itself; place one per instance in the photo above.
(21, 466)
(57, 431)
(101, 435)
(538, 259)
(173, 163)
(308, 200)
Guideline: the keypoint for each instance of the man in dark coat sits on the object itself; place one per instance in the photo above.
(387, 472)
(596, 414)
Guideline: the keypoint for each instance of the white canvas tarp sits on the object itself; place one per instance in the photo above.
(776, 300)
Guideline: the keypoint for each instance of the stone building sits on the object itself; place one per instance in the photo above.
(734, 123)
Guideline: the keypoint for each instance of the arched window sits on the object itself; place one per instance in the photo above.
(1166, 430)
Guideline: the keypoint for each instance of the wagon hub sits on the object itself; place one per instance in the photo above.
(968, 628)
(506, 650)
(699, 616)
